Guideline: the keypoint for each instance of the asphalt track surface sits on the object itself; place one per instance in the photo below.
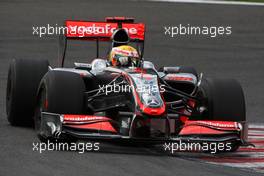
(239, 56)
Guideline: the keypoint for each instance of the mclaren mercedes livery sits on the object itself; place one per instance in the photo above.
(138, 103)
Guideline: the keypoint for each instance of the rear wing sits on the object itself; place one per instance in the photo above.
(101, 31)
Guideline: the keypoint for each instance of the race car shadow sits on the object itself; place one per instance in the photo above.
(128, 149)
(153, 150)
(132, 150)
(108, 147)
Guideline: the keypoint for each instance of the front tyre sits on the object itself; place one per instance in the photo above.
(60, 92)
(24, 76)
(224, 99)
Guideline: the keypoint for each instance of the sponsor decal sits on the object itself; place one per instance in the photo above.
(102, 29)
(178, 78)
(82, 118)
(218, 124)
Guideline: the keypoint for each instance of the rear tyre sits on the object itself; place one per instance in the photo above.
(23, 80)
(60, 92)
(187, 69)
(224, 100)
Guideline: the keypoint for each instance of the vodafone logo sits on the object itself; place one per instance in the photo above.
(95, 29)
(102, 29)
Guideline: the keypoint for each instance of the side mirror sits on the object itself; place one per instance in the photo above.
(148, 65)
(98, 65)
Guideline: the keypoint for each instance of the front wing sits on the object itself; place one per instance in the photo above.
(101, 128)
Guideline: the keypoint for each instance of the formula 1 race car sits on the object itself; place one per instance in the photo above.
(138, 104)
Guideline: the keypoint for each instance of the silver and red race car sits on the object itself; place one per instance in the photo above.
(138, 104)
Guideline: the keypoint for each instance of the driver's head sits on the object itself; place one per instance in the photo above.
(124, 55)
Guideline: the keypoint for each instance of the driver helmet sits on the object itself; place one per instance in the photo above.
(124, 55)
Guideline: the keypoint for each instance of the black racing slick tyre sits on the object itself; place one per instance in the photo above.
(24, 76)
(64, 92)
(60, 92)
(224, 100)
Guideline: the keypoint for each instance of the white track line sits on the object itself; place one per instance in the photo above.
(260, 126)
(249, 154)
(248, 157)
(212, 2)
(256, 132)
(256, 137)
(243, 165)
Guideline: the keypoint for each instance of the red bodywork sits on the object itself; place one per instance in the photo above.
(102, 30)
(89, 122)
(191, 127)
(208, 127)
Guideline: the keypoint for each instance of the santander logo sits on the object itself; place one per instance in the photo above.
(219, 124)
(82, 118)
